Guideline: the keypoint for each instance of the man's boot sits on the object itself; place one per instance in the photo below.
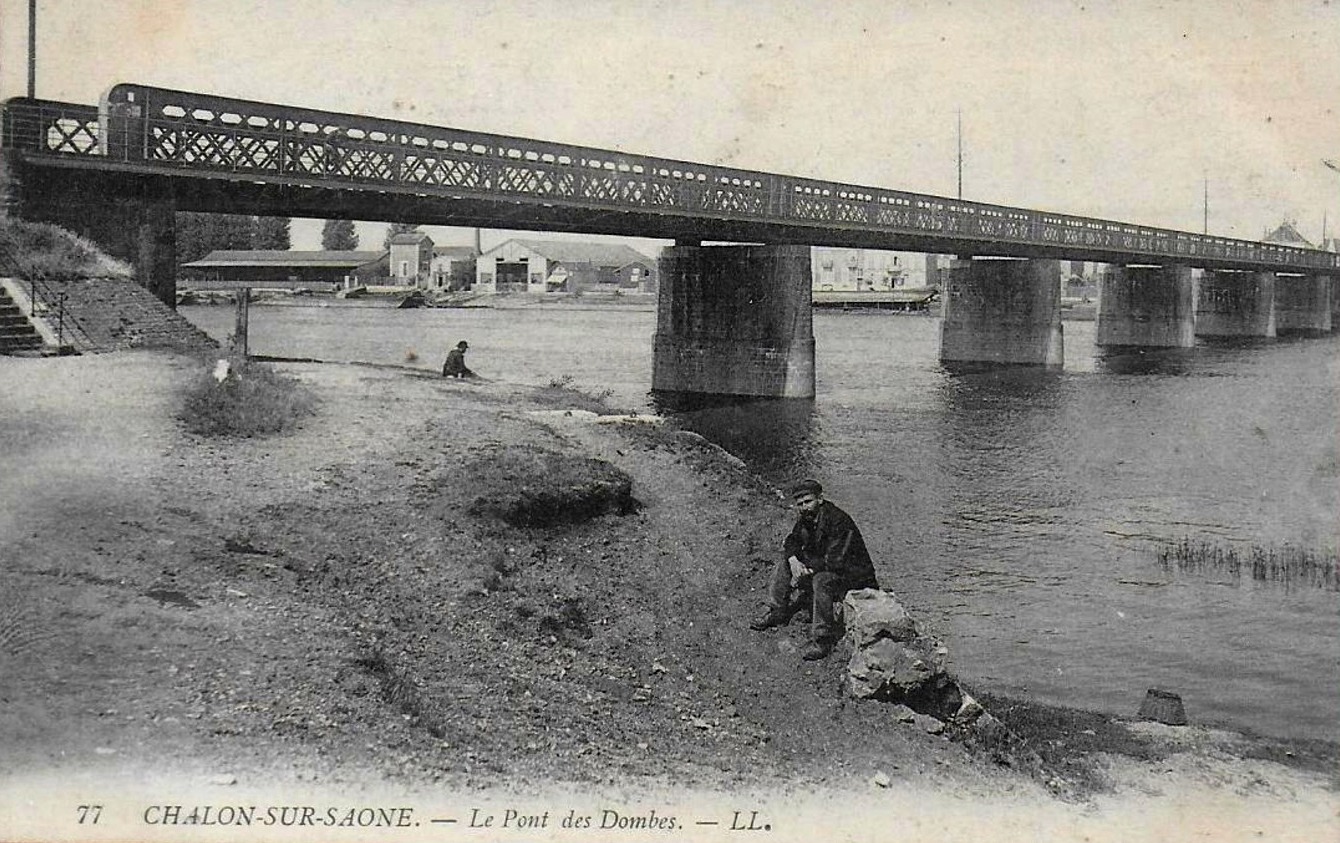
(774, 617)
(818, 649)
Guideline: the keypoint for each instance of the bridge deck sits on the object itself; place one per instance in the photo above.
(305, 162)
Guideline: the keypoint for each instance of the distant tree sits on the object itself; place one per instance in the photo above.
(198, 234)
(236, 232)
(272, 233)
(397, 228)
(193, 241)
(339, 236)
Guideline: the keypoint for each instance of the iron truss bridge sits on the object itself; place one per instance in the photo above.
(217, 154)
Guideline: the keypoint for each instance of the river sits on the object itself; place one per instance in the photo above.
(1016, 511)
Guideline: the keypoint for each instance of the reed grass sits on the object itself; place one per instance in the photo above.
(1285, 564)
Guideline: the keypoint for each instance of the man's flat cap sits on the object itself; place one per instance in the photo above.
(807, 487)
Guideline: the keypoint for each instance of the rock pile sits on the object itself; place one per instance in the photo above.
(892, 661)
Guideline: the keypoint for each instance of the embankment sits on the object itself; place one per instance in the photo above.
(436, 584)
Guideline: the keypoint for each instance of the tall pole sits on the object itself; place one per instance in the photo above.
(959, 112)
(32, 49)
(1334, 166)
(1205, 229)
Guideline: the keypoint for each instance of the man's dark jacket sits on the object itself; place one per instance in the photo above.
(830, 541)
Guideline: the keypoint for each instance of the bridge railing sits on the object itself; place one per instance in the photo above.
(201, 132)
(159, 129)
(47, 127)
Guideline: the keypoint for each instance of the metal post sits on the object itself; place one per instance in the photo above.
(960, 153)
(240, 328)
(60, 321)
(32, 49)
(1332, 165)
(1205, 225)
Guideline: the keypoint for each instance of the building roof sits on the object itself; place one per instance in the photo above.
(410, 238)
(1287, 234)
(578, 251)
(287, 257)
(455, 251)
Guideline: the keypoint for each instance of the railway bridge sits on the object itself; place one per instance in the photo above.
(732, 319)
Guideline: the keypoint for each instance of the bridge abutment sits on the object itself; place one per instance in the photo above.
(1149, 306)
(137, 227)
(1003, 311)
(734, 320)
(1232, 303)
(1303, 304)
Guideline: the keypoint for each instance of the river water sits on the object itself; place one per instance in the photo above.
(1017, 511)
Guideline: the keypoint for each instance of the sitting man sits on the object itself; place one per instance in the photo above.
(455, 366)
(825, 558)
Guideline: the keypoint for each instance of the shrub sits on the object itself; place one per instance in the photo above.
(252, 400)
(562, 393)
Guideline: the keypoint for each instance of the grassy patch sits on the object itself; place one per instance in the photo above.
(1063, 740)
(560, 393)
(252, 400)
(1287, 564)
(48, 252)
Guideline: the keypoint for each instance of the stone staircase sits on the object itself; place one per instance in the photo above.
(16, 332)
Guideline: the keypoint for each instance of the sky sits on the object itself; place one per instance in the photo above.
(1123, 111)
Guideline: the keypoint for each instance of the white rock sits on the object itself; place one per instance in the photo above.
(871, 614)
(969, 710)
(903, 714)
(929, 724)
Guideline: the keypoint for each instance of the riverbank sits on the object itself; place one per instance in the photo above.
(339, 613)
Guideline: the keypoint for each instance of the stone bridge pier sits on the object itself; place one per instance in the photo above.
(1149, 306)
(1303, 304)
(1002, 311)
(1233, 303)
(734, 320)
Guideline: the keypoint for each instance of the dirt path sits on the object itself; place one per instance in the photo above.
(325, 616)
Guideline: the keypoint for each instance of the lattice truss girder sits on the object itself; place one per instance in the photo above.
(806, 208)
(733, 201)
(445, 172)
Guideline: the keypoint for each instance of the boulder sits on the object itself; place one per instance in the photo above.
(871, 614)
(893, 662)
(893, 670)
